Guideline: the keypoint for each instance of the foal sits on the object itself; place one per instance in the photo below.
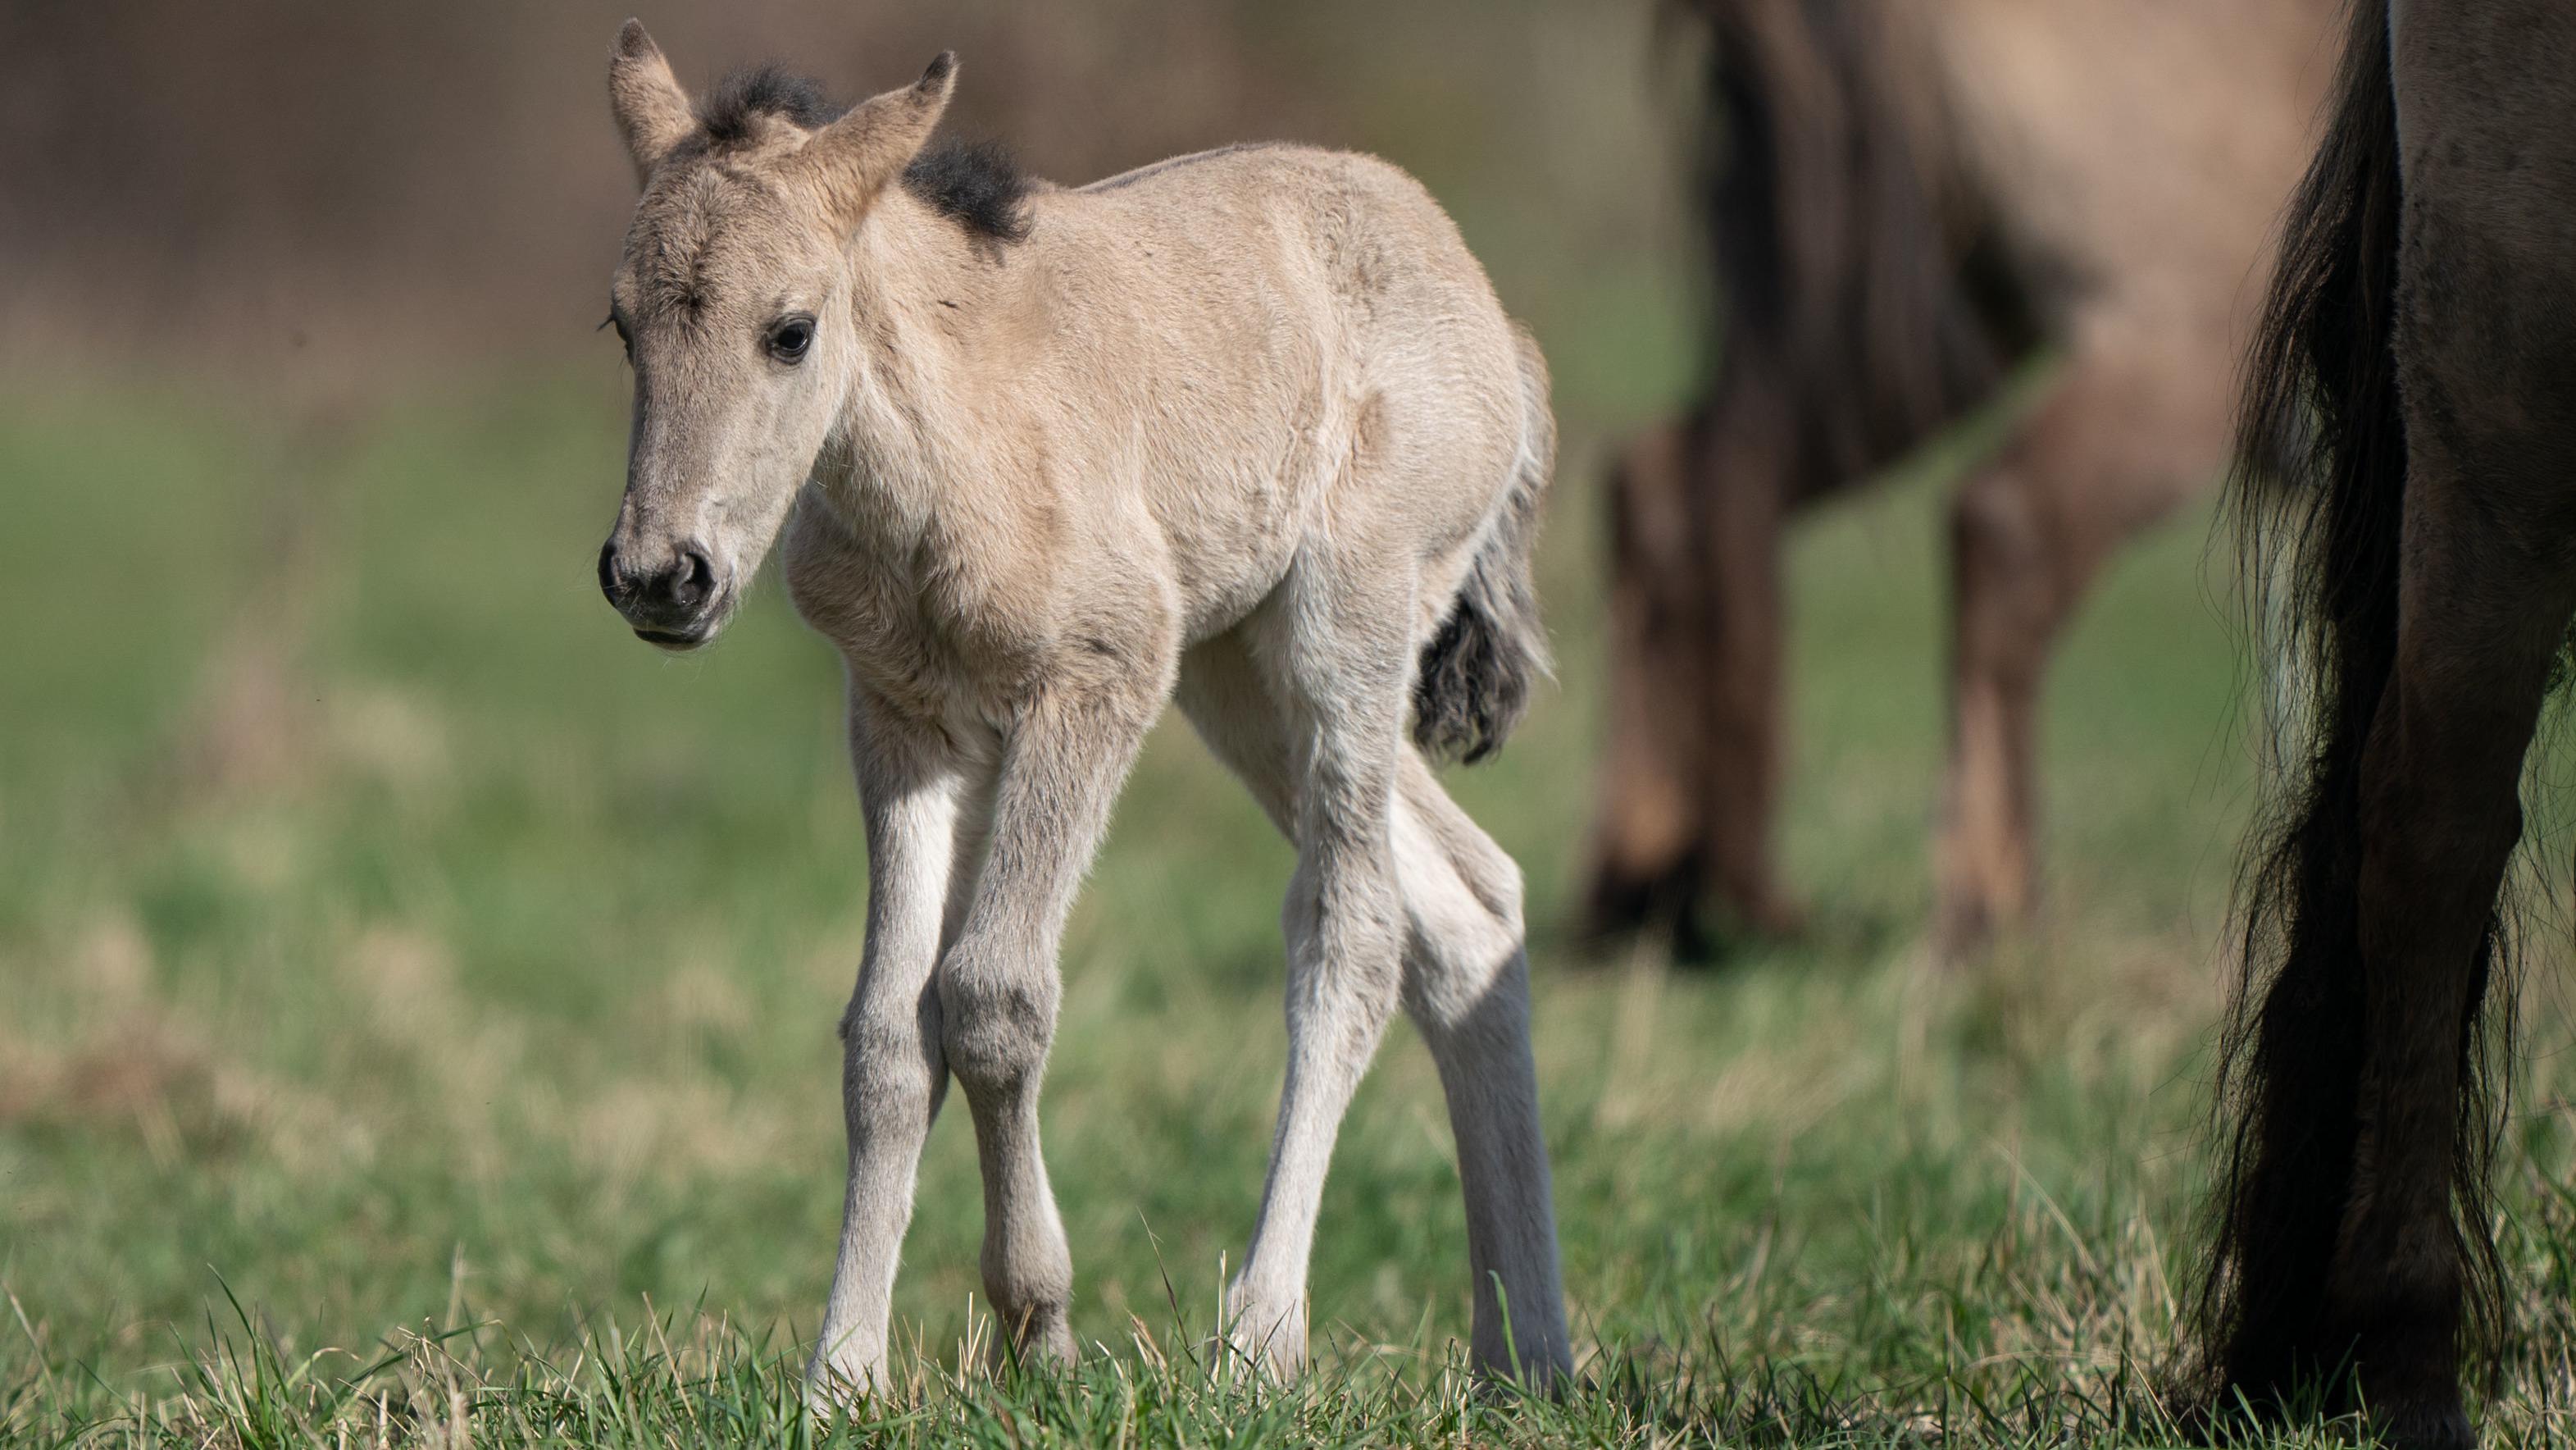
(1247, 428)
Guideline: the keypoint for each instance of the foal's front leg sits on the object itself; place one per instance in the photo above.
(1063, 759)
(916, 793)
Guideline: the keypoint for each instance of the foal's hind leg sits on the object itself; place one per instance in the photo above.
(2116, 447)
(1343, 641)
(2486, 594)
(1466, 985)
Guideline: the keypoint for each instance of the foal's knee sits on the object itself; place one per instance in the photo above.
(996, 1026)
(890, 1066)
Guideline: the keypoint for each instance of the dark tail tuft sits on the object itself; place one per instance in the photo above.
(1477, 671)
(2319, 494)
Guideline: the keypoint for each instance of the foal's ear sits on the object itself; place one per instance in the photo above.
(651, 108)
(852, 159)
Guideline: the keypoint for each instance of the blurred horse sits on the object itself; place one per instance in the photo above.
(1248, 427)
(1904, 202)
(2419, 352)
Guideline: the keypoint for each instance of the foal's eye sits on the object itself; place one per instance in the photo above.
(790, 336)
(623, 340)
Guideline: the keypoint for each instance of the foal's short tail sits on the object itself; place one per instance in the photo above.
(1477, 670)
(2320, 494)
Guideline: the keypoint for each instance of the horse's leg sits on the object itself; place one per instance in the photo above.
(1646, 848)
(1063, 758)
(2484, 338)
(1342, 639)
(1692, 774)
(1466, 985)
(1740, 489)
(2116, 446)
(2483, 608)
(918, 796)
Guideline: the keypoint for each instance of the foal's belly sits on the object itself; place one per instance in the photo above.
(1234, 522)
(1219, 586)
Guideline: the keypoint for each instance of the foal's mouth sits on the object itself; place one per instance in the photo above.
(689, 632)
(682, 636)
(674, 640)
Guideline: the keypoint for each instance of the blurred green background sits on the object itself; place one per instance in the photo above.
(388, 936)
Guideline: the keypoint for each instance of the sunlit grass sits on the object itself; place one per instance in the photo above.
(416, 1005)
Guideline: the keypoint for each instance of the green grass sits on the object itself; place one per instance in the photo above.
(416, 1006)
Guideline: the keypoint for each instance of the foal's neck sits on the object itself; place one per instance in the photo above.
(923, 298)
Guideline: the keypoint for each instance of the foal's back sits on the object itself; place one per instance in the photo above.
(1253, 327)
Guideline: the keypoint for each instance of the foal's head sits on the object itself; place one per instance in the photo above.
(733, 301)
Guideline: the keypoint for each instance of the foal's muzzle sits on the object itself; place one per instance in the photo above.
(675, 600)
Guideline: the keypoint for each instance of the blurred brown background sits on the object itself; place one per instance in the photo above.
(292, 187)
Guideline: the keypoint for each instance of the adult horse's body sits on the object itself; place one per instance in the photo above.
(1904, 198)
(2420, 355)
(1248, 427)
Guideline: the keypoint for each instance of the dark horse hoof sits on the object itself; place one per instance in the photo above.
(1622, 905)
(1698, 927)
(2438, 1424)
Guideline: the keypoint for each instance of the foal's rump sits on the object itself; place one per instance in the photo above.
(1478, 666)
(1464, 447)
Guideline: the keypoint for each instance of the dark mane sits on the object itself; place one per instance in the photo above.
(974, 184)
(726, 113)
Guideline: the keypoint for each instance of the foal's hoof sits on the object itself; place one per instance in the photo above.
(1040, 1338)
(835, 1385)
(1262, 1341)
(829, 1396)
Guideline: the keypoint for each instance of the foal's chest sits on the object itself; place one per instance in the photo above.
(918, 627)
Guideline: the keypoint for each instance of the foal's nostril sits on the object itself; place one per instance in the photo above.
(608, 571)
(696, 581)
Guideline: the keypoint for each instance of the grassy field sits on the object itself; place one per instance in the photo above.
(416, 1006)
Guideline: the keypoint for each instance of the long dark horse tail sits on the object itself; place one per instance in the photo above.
(1865, 292)
(1477, 671)
(2320, 498)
